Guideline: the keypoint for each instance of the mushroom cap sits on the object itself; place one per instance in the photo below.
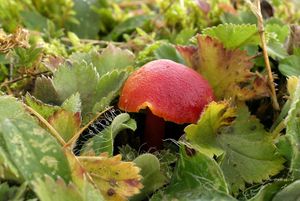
(169, 89)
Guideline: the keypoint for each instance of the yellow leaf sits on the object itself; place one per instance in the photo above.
(78, 173)
(203, 134)
(292, 83)
(66, 123)
(117, 180)
(227, 71)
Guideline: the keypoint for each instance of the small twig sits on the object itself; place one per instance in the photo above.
(255, 7)
(258, 54)
(76, 136)
(8, 82)
(11, 70)
(8, 90)
(53, 132)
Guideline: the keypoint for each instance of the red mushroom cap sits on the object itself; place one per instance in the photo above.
(169, 89)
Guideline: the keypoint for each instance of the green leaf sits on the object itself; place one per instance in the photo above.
(216, 115)
(290, 66)
(8, 170)
(293, 131)
(276, 50)
(73, 103)
(168, 51)
(34, 20)
(289, 193)
(49, 190)
(10, 108)
(281, 31)
(112, 58)
(5, 191)
(12, 193)
(3, 59)
(267, 192)
(196, 169)
(284, 147)
(243, 17)
(249, 151)
(196, 177)
(296, 51)
(80, 77)
(88, 19)
(26, 57)
(234, 36)
(194, 194)
(184, 36)
(97, 78)
(45, 110)
(44, 90)
(33, 150)
(108, 88)
(153, 179)
(103, 141)
(65, 123)
(128, 25)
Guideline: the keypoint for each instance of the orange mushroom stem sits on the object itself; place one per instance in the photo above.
(171, 92)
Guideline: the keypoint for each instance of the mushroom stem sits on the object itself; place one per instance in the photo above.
(154, 130)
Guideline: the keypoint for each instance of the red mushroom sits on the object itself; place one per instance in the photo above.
(170, 91)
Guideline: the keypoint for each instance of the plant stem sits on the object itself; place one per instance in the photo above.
(53, 132)
(11, 81)
(260, 23)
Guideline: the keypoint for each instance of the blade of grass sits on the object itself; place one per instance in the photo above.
(255, 8)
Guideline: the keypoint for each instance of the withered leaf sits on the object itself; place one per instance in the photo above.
(228, 71)
(66, 123)
(117, 180)
(18, 39)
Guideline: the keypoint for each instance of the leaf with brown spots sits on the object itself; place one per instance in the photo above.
(228, 71)
(117, 180)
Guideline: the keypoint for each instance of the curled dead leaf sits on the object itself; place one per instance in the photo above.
(18, 39)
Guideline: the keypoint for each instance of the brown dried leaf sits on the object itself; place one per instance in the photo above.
(17, 39)
(53, 62)
(228, 71)
(117, 180)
